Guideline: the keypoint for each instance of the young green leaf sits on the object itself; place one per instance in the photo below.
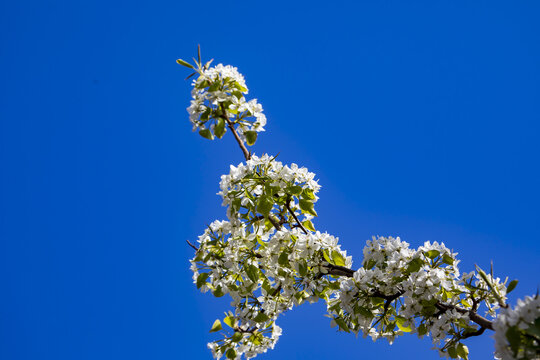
(265, 204)
(452, 352)
(219, 129)
(309, 225)
(251, 137)
(308, 194)
(342, 324)
(230, 354)
(511, 286)
(302, 267)
(447, 259)
(338, 258)
(217, 326)
(205, 133)
(307, 207)
(463, 351)
(201, 279)
(252, 272)
(185, 63)
(229, 320)
(326, 256)
(400, 322)
(236, 337)
(261, 317)
(283, 258)
(295, 190)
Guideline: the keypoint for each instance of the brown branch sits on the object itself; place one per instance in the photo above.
(295, 217)
(339, 270)
(478, 319)
(474, 333)
(193, 246)
(230, 124)
(274, 222)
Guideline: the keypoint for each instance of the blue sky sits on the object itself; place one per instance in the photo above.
(420, 118)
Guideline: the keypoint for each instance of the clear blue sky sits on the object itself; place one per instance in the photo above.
(420, 118)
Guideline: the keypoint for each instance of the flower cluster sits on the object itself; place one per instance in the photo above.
(218, 101)
(401, 290)
(265, 273)
(517, 331)
(268, 257)
(264, 186)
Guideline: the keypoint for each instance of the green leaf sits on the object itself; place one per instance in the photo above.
(283, 258)
(422, 329)
(511, 286)
(377, 301)
(184, 63)
(514, 338)
(414, 265)
(229, 320)
(239, 87)
(251, 137)
(252, 272)
(206, 114)
(308, 194)
(302, 267)
(452, 352)
(309, 225)
(265, 204)
(230, 354)
(267, 287)
(205, 133)
(534, 329)
(463, 351)
(327, 256)
(365, 312)
(432, 254)
(217, 326)
(201, 279)
(214, 86)
(307, 207)
(198, 256)
(218, 292)
(261, 317)
(236, 337)
(219, 129)
(400, 322)
(341, 323)
(447, 259)
(295, 190)
(370, 264)
(338, 258)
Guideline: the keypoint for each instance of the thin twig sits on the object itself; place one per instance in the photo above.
(247, 155)
(193, 246)
(294, 216)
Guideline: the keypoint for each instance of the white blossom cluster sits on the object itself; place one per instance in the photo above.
(517, 331)
(265, 273)
(400, 290)
(263, 185)
(218, 95)
(268, 257)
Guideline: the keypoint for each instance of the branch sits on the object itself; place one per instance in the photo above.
(474, 333)
(295, 217)
(193, 246)
(247, 155)
(478, 319)
(339, 270)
